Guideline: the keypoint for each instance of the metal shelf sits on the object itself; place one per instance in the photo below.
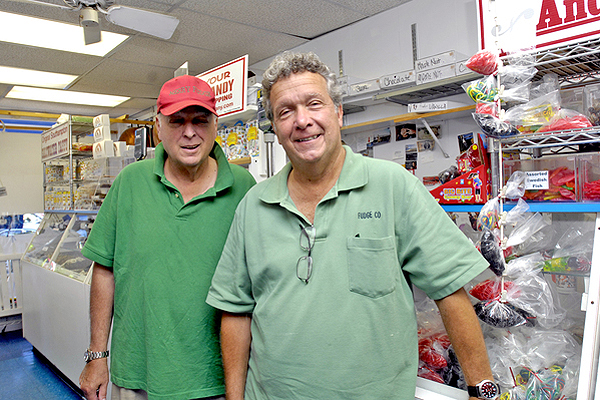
(575, 64)
(564, 140)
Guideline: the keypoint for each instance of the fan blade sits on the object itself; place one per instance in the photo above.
(155, 24)
(43, 3)
(92, 34)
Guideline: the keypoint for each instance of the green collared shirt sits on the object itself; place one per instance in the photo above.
(163, 253)
(350, 332)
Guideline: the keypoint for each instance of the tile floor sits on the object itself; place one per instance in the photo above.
(25, 375)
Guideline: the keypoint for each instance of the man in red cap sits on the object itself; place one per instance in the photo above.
(155, 244)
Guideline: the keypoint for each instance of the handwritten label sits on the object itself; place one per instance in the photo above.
(437, 74)
(437, 61)
(364, 87)
(427, 107)
(537, 180)
(398, 79)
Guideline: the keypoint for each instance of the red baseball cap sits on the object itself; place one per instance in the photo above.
(184, 91)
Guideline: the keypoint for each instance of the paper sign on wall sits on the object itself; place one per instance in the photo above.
(228, 82)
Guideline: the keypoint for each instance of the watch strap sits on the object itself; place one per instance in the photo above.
(94, 355)
(473, 392)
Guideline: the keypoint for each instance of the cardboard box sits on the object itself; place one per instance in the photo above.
(120, 149)
(472, 187)
(101, 120)
(102, 133)
(104, 149)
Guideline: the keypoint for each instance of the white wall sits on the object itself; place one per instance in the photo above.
(382, 45)
(21, 173)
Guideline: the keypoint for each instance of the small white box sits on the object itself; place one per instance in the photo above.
(104, 149)
(120, 148)
(101, 120)
(102, 133)
(129, 151)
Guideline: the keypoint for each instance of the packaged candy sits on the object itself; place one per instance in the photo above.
(503, 315)
(490, 289)
(493, 127)
(482, 90)
(484, 62)
(491, 251)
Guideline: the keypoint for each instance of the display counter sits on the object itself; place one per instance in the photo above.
(56, 290)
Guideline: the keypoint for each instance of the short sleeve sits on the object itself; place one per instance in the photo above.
(231, 287)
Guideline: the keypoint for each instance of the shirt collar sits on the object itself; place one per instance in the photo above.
(224, 174)
(354, 175)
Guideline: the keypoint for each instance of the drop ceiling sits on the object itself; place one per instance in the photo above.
(210, 33)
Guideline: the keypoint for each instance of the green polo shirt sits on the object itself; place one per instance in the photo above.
(163, 254)
(351, 332)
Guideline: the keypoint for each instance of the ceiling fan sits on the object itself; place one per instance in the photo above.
(149, 22)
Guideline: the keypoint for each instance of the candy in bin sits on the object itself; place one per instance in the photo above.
(503, 315)
(490, 250)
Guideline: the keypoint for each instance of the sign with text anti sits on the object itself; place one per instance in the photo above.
(515, 25)
(229, 82)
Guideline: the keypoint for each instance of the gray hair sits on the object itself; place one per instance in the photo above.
(289, 63)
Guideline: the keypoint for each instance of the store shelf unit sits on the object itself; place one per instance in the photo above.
(61, 162)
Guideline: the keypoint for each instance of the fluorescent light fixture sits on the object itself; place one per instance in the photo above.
(31, 77)
(65, 96)
(30, 31)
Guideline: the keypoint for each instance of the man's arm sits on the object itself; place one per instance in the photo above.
(94, 378)
(235, 347)
(465, 334)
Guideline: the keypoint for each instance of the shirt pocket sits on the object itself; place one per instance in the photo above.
(372, 266)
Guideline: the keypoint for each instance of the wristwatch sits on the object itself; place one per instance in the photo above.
(486, 390)
(93, 355)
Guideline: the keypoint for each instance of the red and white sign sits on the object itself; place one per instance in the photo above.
(55, 142)
(228, 81)
(517, 25)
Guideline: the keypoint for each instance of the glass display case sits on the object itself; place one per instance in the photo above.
(57, 244)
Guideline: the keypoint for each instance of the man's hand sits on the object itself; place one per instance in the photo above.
(94, 379)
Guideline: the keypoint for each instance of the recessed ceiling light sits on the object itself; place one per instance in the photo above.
(31, 31)
(65, 96)
(31, 77)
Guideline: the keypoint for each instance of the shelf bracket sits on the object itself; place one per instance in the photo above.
(437, 141)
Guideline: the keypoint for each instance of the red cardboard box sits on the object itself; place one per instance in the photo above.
(472, 187)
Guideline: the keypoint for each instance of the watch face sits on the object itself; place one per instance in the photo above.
(489, 390)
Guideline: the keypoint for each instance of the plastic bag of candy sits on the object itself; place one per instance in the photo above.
(489, 246)
(515, 186)
(566, 119)
(488, 216)
(493, 127)
(484, 62)
(487, 107)
(516, 82)
(482, 90)
(490, 289)
(503, 315)
(534, 114)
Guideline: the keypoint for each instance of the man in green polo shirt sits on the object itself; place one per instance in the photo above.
(155, 244)
(315, 277)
